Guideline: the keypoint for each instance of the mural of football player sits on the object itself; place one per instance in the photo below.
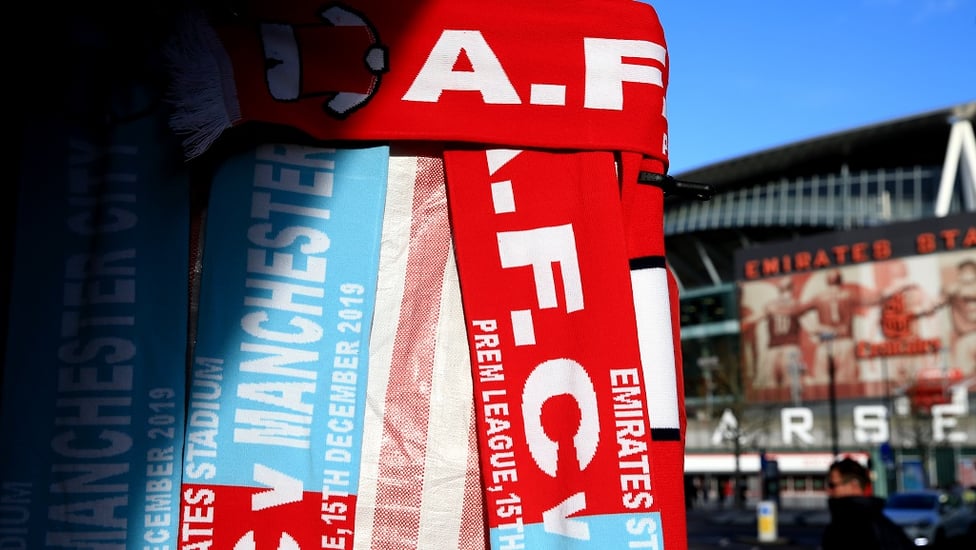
(835, 307)
(959, 296)
(780, 361)
(901, 318)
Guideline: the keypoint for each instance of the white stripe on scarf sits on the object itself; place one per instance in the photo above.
(414, 474)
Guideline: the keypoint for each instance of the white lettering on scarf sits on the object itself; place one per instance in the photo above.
(503, 473)
(539, 249)
(605, 75)
(281, 416)
(93, 439)
(285, 288)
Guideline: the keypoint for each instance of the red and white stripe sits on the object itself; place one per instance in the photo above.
(419, 488)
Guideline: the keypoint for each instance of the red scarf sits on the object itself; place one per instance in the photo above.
(570, 386)
(509, 73)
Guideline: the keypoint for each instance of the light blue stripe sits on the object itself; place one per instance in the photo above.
(636, 531)
(293, 285)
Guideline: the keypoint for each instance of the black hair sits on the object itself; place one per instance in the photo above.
(852, 470)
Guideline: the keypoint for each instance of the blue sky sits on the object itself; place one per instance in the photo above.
(747, 75)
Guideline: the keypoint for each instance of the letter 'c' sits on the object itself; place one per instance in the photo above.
(549, 379)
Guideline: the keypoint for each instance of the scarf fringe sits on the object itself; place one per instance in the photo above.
(202, 90)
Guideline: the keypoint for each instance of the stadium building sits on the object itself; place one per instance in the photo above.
(828, 306)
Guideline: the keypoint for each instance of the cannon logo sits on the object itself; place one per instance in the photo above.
(352, 76)
(896, 320)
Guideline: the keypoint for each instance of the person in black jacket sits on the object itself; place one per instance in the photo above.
(856, 518)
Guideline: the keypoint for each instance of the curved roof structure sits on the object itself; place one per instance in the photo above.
(920, 138)
(871, 175)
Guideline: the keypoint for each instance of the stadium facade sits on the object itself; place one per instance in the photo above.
(873, 227)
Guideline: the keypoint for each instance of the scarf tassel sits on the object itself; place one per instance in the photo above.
(202, 92)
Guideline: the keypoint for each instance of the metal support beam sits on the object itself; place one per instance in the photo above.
(960, 152)
(707, 262)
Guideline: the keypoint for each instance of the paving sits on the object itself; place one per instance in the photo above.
(737, 528)
(747, 515)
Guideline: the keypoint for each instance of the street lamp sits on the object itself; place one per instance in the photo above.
(888, 457)
(828, 338)
(707, 364)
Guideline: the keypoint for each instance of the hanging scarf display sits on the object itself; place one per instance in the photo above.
(568, 307)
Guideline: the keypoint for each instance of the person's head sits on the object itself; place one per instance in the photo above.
(785, 286)
(967, 271)
(846, 478)
(834, 278)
